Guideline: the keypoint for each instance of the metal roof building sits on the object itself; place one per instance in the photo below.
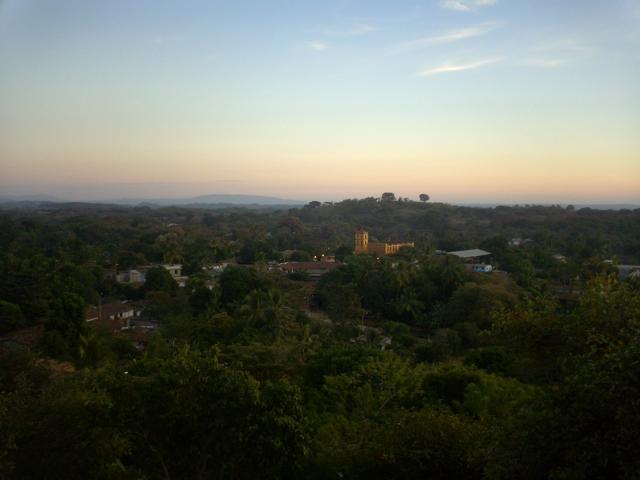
(473, 253)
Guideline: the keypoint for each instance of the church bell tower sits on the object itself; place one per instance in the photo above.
(362, 241)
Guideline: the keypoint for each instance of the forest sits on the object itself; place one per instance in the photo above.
(401, 367)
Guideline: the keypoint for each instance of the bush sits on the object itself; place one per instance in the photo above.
(491, 359)
(11, 317)
(449, 383)
(444, 343)
(298, 276)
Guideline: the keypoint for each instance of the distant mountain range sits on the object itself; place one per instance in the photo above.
(30, 198)
(577, 206)
(213, 199)
(228, 200)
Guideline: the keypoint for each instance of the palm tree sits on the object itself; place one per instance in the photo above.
(254, 306)
(404, 275)
(450, 273)
(408, 305)
(264, 309)
(88, 346)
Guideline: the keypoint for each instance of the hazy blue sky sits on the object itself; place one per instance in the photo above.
(468, 100)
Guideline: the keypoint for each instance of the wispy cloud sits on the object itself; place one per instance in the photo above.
(161, 40)
(543, 62)
(355, 30)
(566, 44)
(557, 52)
(460, 67)
(466, 5)
(318, 46)
(361, 29)
(448, 37)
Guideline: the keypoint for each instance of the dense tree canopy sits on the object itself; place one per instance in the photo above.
(411, 366)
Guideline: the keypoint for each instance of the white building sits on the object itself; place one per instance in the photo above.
(139, 275)
(482, 268)
(470, 254)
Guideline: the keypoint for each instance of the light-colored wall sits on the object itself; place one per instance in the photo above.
(362, 245)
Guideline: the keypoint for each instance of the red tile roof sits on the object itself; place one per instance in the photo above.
(28, 337)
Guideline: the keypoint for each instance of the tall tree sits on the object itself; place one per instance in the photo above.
(158, 279)
(388, 197)
(65, 326)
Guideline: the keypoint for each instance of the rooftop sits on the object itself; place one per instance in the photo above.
(106, 310)
(302, 266)
(26, 337)
(474, 252)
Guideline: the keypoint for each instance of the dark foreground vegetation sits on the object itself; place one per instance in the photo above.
(403, 367)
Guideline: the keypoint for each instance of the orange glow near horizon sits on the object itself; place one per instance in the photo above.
(131, 102)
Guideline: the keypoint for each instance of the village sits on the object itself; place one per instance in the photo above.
(156, 312)
(127, 319)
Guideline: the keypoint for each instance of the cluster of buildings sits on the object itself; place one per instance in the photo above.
(313, 269)
(122, 319)
(113, 315)
(363, 245)
(475, 259)
(629, 271)
(138, 276)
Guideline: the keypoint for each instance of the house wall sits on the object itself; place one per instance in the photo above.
(362, 245)
(361, 241)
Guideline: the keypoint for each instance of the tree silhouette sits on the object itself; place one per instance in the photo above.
(388, 197)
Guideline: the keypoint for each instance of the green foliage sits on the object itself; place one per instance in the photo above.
(586, 425)
(63, 431)
(255, 250)
(23, 282)
(492, 359)
(300, 256)
(202, 420)
(161, 305)
(65, 327)
(442, 344)
(265, 310)
(202, 299)
(298, 276)
(428, 443)
(475, 303)
(342, 303)
(337, 360)
(11, 317)
(183, 416)
(530, 373)
(158, 279)
(383, 383)
(448, 383)
(235, 284)
(388, 197)
(381, 425)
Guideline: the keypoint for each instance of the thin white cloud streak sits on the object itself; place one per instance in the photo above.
(564, 44)
(449, 37)
(361, 29)
(353, 31)
(318, 46)
(466, 5)
(451, 68)
(160, 40)
(557, 52)
(543, 62)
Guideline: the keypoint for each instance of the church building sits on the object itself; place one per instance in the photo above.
(362, 245)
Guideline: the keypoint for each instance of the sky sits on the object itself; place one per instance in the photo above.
(509, 101)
